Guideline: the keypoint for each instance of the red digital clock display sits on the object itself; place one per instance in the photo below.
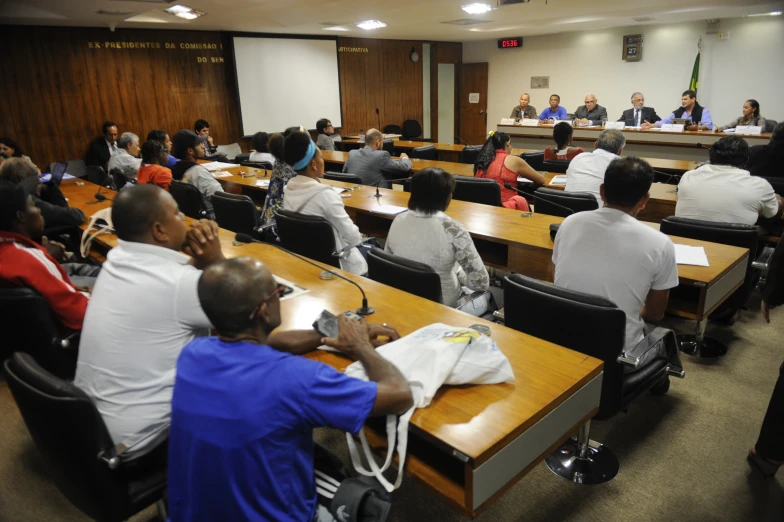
(510, 43)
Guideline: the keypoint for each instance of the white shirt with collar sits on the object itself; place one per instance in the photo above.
(144, 309)
(586, 172)
(725, 194)
(112, 147)
(608, 253)
(125, 162)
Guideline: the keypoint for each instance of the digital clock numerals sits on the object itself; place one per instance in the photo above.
(510, 43)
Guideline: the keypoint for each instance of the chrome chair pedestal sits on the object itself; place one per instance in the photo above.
(699, 345)
(584, 462)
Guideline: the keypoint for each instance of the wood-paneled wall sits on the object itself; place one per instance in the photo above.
(58, 85)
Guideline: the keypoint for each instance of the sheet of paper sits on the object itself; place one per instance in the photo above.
(217, 165)
(263, 183)
(338, 189)
(521, 179)
(46, 177)
(222, 174)
(690, 255)
(295, 288)
(389, 210)
(558, 181)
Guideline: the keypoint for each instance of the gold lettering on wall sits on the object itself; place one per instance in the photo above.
(353, 50)
(186, 46)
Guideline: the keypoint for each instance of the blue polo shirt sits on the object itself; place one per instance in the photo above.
(241, 440)
(171, 161)
(559, 113)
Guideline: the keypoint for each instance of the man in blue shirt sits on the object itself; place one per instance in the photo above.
(699, 115)
(243, 413)
(554, 112)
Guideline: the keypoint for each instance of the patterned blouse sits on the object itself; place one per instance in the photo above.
(281, 174)
(755, 121)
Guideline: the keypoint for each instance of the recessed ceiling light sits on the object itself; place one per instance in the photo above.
(192, 15)
(476, 8)
(178, 9)
(773, 13)
(335, 28)
(371, 24)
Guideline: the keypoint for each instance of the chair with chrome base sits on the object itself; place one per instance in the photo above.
(237, 213)
(401, 273)
(309, 236)
(577, 201)
(477, 190)
(106, 481)
(734, 234)
(598, 329)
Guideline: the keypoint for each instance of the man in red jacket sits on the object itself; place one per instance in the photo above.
(25, 263)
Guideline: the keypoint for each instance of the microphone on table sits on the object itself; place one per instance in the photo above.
(457, 138)
(378, 118)
(362, 310)
(669, 176)
(98, 196)
(377, 183)
(539, 196)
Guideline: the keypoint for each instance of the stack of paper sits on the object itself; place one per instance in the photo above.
(338, 189)
(558, 181)
(263, 183)
(389, 210)
(222, 174)
(217, 165)
(690, 255)
(521, 179)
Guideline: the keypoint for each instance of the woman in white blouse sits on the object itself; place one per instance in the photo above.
(427, 235)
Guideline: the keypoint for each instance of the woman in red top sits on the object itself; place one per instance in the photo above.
(562, 134)
(496, 162)
(154, 157)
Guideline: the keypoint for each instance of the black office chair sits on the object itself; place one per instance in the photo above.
(389, 146)
(776, 183)
(470, 153)
(309, 236)
(96, 174)
(28, 324)
(534, 159)
(734, 234)
(428, 152)
(555, 165)
(393, 129)
(411, 129)
(237, 213)
(769, 125)
(188, 198)
(119, 179)
(239, 158)
(343, 176)
(577, 201)
(477, 190)
(596, 328)
(102, 482)
(401, 273)
(266, 165)
(76, 168)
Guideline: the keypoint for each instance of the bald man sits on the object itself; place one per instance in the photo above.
(371, 162)
(591, 113)
(243, 413)
(524, 111)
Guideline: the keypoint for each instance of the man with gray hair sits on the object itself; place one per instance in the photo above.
(127, 156)
(370, 162)
(586, 171)
(591, 113)
(639, 113)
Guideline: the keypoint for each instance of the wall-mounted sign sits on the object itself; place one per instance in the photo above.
(473, 97)
(632, 47)
(353, 50)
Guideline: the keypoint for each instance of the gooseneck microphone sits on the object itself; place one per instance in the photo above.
(539, 196)
(457, 139)
(378, 117)
(362, 310)
(377, 183)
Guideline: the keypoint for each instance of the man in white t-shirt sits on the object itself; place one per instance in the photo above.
(586, 171)
(608, 253)
(724, 191)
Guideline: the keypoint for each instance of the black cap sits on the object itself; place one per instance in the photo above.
(184, 140)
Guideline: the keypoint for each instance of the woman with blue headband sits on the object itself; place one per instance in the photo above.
(306, 194)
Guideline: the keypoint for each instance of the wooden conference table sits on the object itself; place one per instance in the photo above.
(523, 245)
(473, 442)
(687, 145)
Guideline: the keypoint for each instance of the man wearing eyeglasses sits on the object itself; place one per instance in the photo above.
(639, 113)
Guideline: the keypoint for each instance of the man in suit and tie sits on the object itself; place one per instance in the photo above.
(370, 161)
(103, 147)
(639, 114)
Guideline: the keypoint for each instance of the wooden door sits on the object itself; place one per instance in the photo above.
(473, 112)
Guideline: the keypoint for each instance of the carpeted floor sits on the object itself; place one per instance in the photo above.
(682, 455)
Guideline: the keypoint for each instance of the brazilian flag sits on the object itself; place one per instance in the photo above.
(694, 83)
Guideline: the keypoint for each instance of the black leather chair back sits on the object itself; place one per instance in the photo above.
(239, 158)
(534, 159)
(596, 327)
(411, 129)
(96, 174)
(343, 176)
(477, 190)
(776, 183)
(236, 212)
(70, 434)
(119, 179)
(401, 273)
(393, 129)
(188, 198)
(309, 236)
(266, 165)
(469, 154)
(29, 325)
(428, 152)
(577, 201)
(389, 146)
(769, 125)
(555, 165)
(734, 234)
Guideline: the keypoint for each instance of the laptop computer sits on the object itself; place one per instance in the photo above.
(58, 171)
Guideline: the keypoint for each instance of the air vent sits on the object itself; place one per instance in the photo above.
(144, 1)
(113, 13)
(511, 2)
(644, 19)
(466, 21)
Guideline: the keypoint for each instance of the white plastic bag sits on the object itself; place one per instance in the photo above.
(428, 358)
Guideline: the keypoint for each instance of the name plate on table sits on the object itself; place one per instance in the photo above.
(617, 125)
(672, 127)
(749, 130)
(507, 121)
(529, 123)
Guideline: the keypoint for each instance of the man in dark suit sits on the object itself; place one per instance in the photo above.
(639, 114)
(768, 160)
(370, 162)
(103, 147)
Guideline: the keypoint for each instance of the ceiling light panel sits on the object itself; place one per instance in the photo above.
(371, 24)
